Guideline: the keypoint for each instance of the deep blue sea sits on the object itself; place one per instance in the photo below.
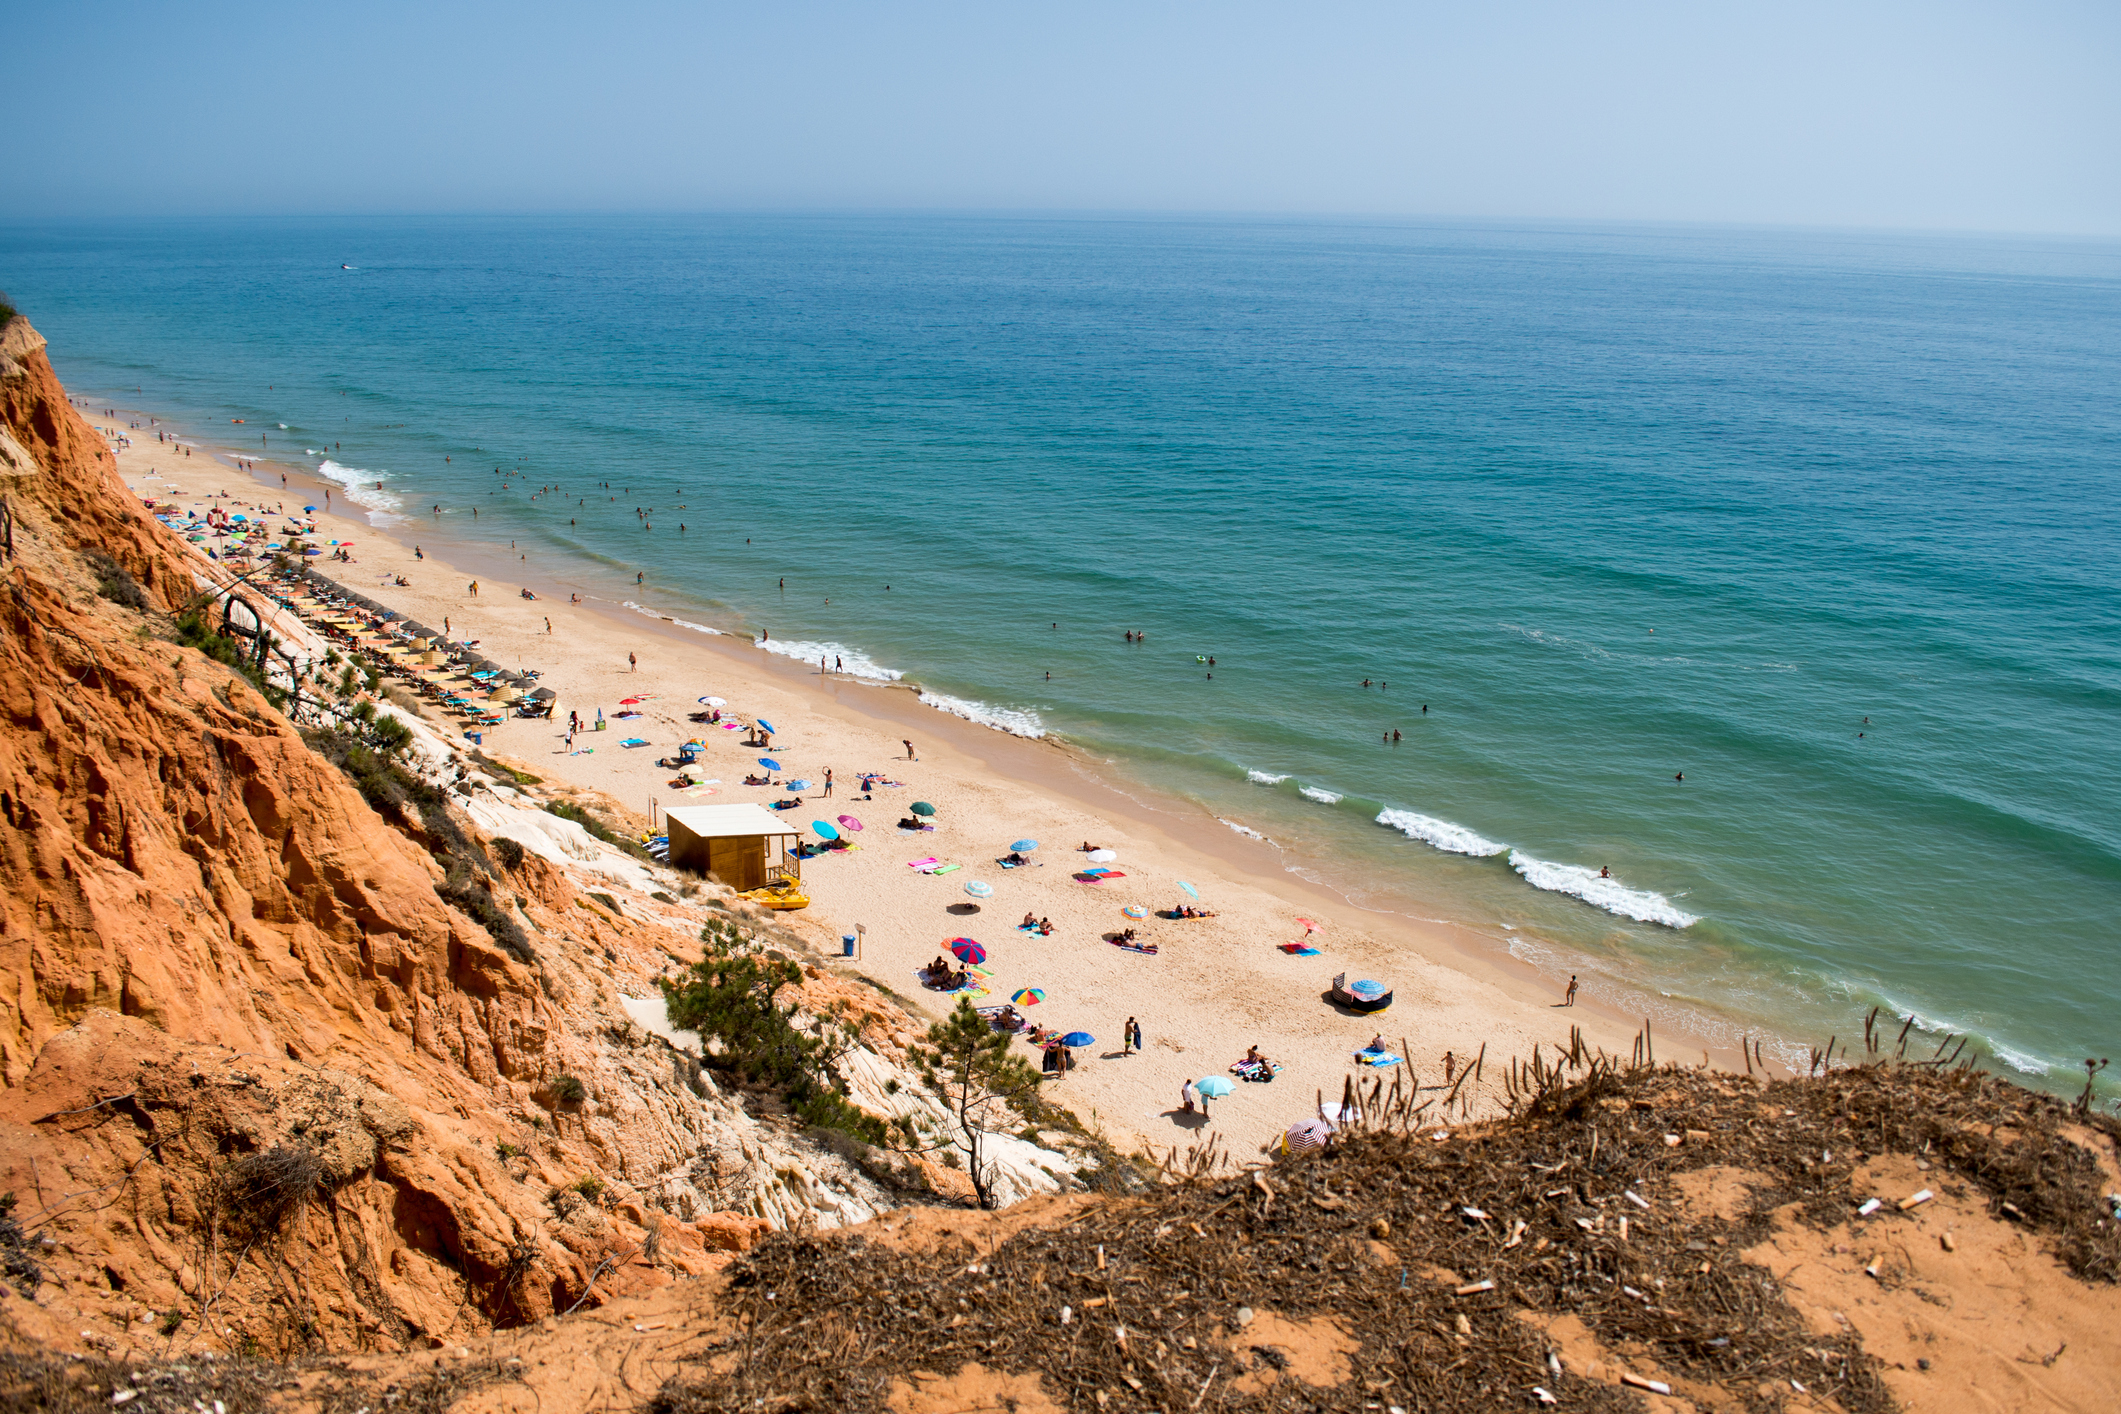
(1827, 523)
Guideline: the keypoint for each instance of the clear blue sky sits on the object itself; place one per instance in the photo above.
(1997, 116)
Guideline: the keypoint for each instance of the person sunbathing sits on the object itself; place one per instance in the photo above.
(1030, 921)
(1013, 858)
(1377, 1042)
(1045, 927)
(1087, 847)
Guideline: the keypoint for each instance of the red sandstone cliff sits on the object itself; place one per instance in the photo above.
(212, 948)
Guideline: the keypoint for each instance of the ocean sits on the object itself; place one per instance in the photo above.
(1825, 524)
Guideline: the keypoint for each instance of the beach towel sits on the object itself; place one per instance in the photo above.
(1258, 1072)
(1379, 1059)
(923, 865)
(1146, 949)
(633, 741)
(1299, 949)
(945, 868)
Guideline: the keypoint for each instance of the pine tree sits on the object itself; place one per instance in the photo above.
(966, 1064)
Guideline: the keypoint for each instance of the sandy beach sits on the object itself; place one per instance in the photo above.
(1214, 987)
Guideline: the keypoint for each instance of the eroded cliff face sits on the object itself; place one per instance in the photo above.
(259, 1082)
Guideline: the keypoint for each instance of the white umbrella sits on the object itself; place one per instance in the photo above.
(1102, 856)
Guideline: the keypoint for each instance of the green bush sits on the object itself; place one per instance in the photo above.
(568, 1090)
(728, 997)
(114, 582)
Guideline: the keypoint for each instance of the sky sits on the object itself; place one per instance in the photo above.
(2003, 116)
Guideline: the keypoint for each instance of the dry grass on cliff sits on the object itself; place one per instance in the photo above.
(1382, 1234)
(1398, 1256)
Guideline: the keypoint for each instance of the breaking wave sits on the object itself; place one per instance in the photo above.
(1609, 894)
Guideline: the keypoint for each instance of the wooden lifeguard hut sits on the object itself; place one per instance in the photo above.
(735, 843)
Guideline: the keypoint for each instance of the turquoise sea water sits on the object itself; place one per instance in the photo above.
(1614, 503)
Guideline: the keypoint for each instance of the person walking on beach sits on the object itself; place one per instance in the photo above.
(474, 586)
(633, 663)
(1131, 1036)
(909, 749)
(1187, 1095)
(828, 780)
(1569, 998)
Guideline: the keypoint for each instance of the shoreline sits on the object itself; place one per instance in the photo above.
(1453, 960)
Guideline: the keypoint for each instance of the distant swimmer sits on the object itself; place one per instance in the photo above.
(1395, 736)
(1424, 709)
(1365, 682)
(1211, 659)
(1604, 872)
(1679, 775)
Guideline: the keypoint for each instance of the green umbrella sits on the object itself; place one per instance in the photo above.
(922, 807)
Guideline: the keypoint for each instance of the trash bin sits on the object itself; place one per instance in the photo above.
(847, 945)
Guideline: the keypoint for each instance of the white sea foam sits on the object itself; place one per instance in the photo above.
(1439, 834)
(1609, 894)
(2019, 1061)
(1323, 797)
(1246, 830)
(360, 484)
(1014, 720)
(853, 664)
(681, 623)
(1265, 778)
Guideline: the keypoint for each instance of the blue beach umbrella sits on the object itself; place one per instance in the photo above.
(824, 831)
(1024, 846)
(309, 508)
(1078, 1038)
(765, 725)
(798, 785)
(769, 763)
(1214, 1087)
(1189, 888)
(980, 890)
(966, 950)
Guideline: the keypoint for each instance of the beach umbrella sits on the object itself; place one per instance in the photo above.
(1078, 1038)
(1189, 888)
(980, 890)
(1135, 911)
(1307, 1136)
(851, 823)
(1024, 846)
(921, 807)
(712, 702)
(765, 726)
(824, 831)
(629, 701)
(1214, 1087)
(798, 785)
(1339, 1114)
(966, 950)
(1028, 996)
(1102, 856)
(545, 694)
(1309, 926)
(769, 763)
